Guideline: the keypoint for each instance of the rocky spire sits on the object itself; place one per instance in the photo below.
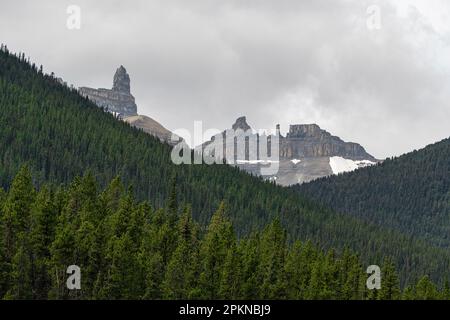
(121, 80)
(241, 123)
(119, 100)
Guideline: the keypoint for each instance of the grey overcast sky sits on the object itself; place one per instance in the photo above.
(275, 61)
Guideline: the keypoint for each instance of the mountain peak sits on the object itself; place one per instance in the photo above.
(121, 80)
(241, 123)
(118, 99)
(310, 141)
(306, 130)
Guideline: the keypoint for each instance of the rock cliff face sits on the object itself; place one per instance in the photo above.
(309, 140)
(119, 99)
(121, 81)
(306, 153)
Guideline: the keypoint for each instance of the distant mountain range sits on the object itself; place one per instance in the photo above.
(306, 153)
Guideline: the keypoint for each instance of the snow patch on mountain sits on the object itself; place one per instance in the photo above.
(340, 165)
(256, 161)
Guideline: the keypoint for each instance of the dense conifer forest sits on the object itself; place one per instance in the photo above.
(410, 193)
(61, 135)
(129, 250)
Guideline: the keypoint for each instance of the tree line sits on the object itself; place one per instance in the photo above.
(128, 249)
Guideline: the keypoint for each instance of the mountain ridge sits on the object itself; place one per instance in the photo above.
(305, 153)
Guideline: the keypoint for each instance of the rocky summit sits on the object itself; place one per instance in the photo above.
(309, 140)
(307, 152)
(120, 102)
(117, 100)
(241, 123)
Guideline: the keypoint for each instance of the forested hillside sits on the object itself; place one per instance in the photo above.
(61, 135)
(410, 193)
(126, 249)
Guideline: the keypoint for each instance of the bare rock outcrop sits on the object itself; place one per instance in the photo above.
(117, 100)
(307, 152)
(120, 101)
(309, 140)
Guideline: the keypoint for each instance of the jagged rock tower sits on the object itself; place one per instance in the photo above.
(119, 99)
(121, 81)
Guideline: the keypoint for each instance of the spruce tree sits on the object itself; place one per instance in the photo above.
(43, 223)
(231, 279)
(273, 254)
(213, 253)
(426, 290)
(182, 272)
(390, 285)
(15, 236)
